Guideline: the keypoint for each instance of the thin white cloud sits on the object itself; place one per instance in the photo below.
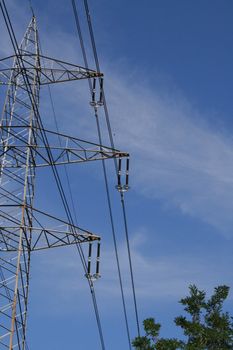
(156, 277)
(186, 162)
(177, 157)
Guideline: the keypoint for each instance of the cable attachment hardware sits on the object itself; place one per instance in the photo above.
(96, 275)
(123, 187)
(100, 102)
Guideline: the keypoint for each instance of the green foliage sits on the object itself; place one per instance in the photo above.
(152, 332)
(206, 327)
(169, 344)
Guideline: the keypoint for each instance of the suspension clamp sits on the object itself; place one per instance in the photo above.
(100, 101)
(95, 276)
(123, 187)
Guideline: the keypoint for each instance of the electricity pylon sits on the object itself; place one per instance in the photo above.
(24, 146)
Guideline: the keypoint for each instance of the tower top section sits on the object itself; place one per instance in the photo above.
(49, 70)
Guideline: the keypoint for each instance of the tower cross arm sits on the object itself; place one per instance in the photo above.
(61, 233)
(43, 237)
(49, 70)
(62, 149)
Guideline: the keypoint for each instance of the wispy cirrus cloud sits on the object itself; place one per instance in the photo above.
(177, 156)
(157, 277)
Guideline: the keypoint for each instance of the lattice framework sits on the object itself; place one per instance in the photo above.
(22, 150)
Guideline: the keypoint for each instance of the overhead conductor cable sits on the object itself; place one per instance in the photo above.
(92, 92)
(112, 144)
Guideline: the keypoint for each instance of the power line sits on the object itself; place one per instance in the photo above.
(79, 32)
(91, 32)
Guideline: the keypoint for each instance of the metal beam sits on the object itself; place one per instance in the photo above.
(50, 70)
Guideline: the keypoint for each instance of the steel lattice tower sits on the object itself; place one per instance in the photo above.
(24, 146)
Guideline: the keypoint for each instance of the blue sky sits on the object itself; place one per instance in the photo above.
(168, 82)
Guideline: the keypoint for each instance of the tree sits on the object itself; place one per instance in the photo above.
(206, 327)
